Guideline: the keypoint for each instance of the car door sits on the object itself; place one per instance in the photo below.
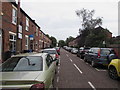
(89, 54)
(49, 71)
(119, 66)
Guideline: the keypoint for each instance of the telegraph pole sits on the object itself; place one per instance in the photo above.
(18, 41)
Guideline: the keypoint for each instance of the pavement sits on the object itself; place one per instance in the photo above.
(74, 73)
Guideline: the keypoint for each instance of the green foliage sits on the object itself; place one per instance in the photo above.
(93, 38)
(54, 41)
(88, 22)
(69, 39)
(61, 43)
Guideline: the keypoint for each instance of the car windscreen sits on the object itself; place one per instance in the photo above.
(23, 63)
(50, 51)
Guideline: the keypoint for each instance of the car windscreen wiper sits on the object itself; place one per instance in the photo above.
(29, 61)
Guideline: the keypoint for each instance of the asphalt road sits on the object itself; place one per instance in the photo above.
(74, 73)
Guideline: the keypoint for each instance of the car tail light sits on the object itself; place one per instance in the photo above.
(57, 56)
(39, 86)
(58, 50)
(98, 53)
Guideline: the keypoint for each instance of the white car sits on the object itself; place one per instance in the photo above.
(74, 50)
(53, 53)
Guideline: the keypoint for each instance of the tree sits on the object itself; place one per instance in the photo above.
(87, 20)
(61, 43)
(54, 41)
(47, 35)
(88, 35)
(69, 39)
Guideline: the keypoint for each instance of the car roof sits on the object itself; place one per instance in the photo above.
(49, 49)
(31, 54)
(101, 48)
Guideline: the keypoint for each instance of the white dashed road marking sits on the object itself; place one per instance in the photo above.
(67, 55)
(57, 79)
(78, 68)
(71, 60)
(91, 85)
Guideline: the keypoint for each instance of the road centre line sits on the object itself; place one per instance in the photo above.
(92, 85)
(57, 79)
(71, 60)
(78, 68)
(67, 55)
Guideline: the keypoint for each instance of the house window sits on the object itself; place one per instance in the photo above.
(27, 24)
(14, 16)
(36, 45)
(26, 42)
(12, 39)
(36, 31)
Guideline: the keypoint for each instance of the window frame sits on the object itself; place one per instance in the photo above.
(26, 42)
(27, 24)
(14, 15)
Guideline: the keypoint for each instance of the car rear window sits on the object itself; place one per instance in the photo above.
(25, 63)
(95, 50)
(105, 51)
(50, 51)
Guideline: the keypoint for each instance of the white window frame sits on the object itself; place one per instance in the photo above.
(26, 42)
(36, 45)
(36, 31)
(13, 40)
(14, 15)
(27, 24)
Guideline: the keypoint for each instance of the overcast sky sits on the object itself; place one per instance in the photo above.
(58, 17)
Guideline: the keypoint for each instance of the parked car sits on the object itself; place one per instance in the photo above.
(114, 69)
(53, 53)
(99, 56)
(69, 49)
(81, 52)
(58, 50)
(28, 72)
(74, 50)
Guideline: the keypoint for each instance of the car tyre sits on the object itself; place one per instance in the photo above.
(85, 60)
(93, 63)
(113, 73)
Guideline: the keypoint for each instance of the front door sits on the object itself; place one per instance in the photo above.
(0, 45)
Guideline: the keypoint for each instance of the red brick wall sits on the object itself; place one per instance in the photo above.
(7, 26)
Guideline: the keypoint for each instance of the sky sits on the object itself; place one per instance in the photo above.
(58, 18)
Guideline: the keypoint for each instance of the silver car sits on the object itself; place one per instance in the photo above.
(53, 53)
(28, 72)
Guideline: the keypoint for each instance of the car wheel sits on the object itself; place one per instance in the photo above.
(93, 63)
(85, 59)
(113, 73)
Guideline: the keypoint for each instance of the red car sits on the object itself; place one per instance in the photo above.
(58, 50)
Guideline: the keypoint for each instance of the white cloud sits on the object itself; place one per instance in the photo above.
(60, 20)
